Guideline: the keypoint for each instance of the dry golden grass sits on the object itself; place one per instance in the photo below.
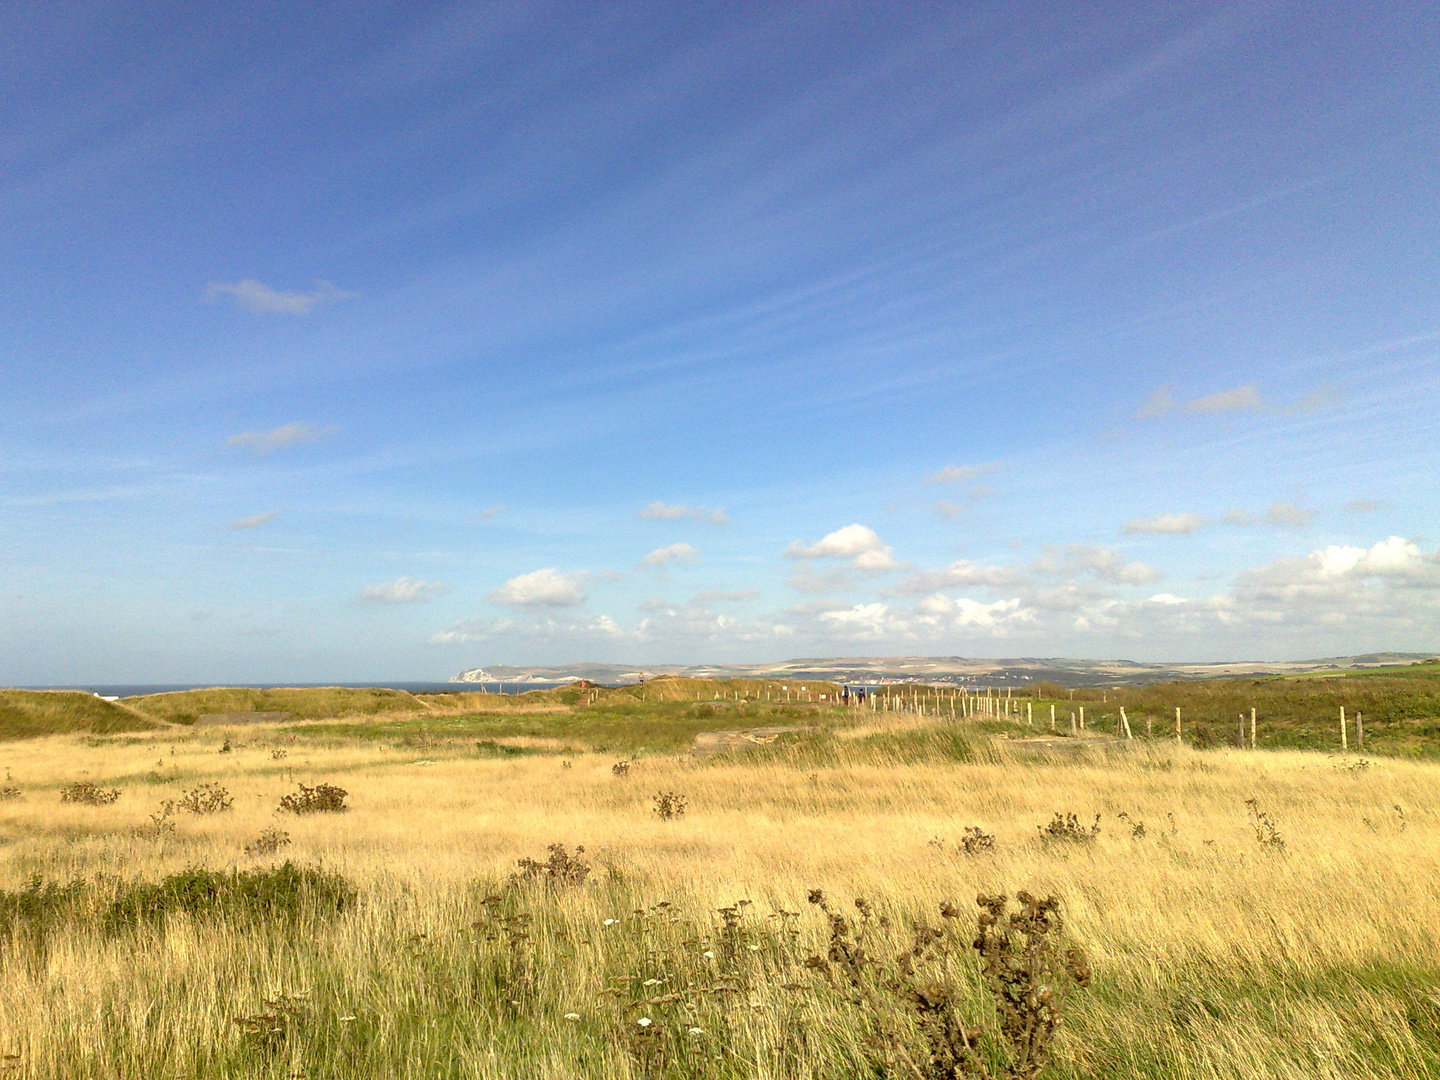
(1215, 955)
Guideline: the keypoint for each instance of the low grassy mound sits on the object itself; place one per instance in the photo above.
(303, 703)
(27, 714)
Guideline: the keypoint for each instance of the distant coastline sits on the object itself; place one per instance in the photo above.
(933, 670)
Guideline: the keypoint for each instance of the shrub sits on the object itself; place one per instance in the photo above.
(561, 868)
(85, 791)
(282, 892)
(7, 793)
(620, 768)
(321, 799)
(38, 906)
(669, 805)
(206, 799)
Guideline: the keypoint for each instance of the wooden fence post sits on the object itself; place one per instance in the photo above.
(1344, 735)
(1252, 727)
(1359, 731)
(1082, 717)
(1178, 738)
(1052, 716)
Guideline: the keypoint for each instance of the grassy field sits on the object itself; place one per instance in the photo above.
(1400, 709)
(1245, 914)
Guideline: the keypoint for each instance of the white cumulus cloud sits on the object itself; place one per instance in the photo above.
(403, 590)
(546, 587)
(1165, 524)
(940, 610)
(678, 553)
(260, 299)
(959, 574)
(1105, 563)
(659, 511)
(1288, 515)
(855, 542)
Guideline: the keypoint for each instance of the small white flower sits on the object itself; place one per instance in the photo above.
(572, 1016)
(346, 1019)
(697, 1031)
(644, 1021)
(708, 955)
(651, 982)
(754, 948)
(609, 922)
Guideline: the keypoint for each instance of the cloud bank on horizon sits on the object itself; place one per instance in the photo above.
(685, 334)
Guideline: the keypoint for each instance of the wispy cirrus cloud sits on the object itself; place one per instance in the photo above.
(260, 299)
(659, 511)
(1238, 399)
(1365, 506)
(255, 522)
(265, 442)
(403, 590)
(1165, 525)
(1279, 514)
(546, 587)
(960, 474)
(1245, 398)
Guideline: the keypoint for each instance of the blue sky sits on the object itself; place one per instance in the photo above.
(385, 340)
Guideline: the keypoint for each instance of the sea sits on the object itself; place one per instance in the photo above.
(138, 689)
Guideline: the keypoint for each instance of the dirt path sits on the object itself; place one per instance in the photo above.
(721, 742)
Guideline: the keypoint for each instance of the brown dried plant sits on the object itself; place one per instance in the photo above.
(561, 868)
(87, 793)
(1267, 835)
(206, 799)
(669, 805)
(321, 799)
(268, 842)
(1066, 829)
(1024, 965)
